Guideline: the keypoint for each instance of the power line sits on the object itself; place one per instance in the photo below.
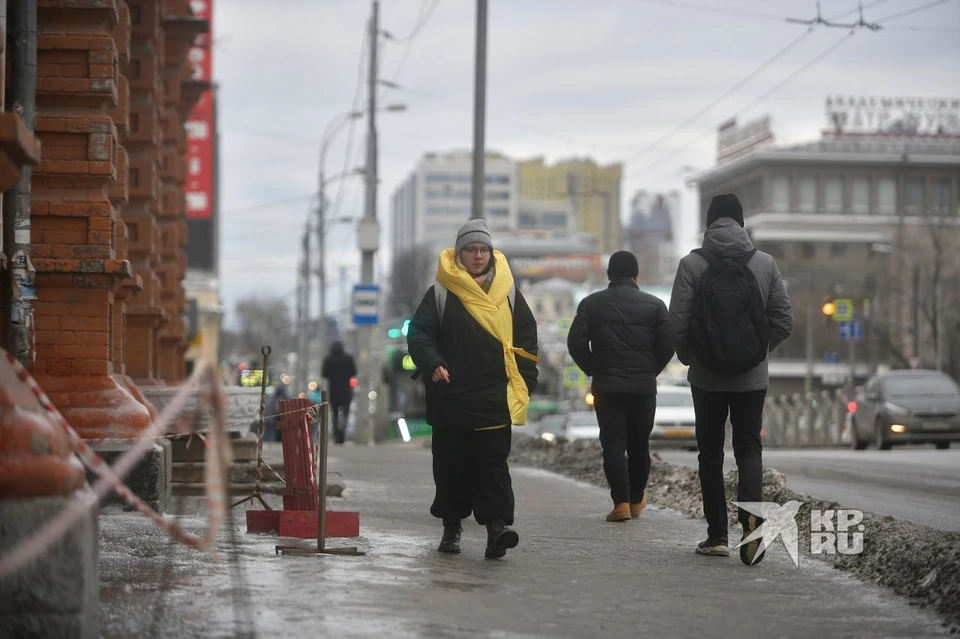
(726, 93)
(268, 205)
(869, 5)
(904, 14)
(758, 100)
(364, 52)
(273, 135)
(423, 19)
(729, 12)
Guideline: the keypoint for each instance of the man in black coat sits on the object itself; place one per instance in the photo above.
(620, 338)
(338, 369)
(474, 340)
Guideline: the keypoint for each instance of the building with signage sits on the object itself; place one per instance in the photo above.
(592, 192)
(869, 214)
(650, 235)
(202, 283)
(434, 201)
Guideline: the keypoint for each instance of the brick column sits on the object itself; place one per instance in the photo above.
(144, 144)
(180, 31)
(77, 234)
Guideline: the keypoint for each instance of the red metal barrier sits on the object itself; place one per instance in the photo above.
(299, 462)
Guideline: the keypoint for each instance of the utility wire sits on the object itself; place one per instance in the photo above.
(423, 19)
(869, 5)
(759, 100)
(273, 135)
(736, 87)
(357, 94)
(904, 14)
(268, 205)
(728, 12)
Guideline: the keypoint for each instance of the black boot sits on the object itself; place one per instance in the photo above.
(500, 539)
(450, 542)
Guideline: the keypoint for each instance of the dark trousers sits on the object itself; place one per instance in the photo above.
(471, 474)
(625, 425)
(746, 418)
(339, 425)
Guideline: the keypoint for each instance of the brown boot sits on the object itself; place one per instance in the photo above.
(620, 513)
(636, 509)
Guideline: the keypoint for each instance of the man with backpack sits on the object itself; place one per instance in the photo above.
(473, 339)
(728, 310)
(621, 339)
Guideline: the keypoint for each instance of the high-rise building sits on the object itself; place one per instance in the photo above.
(650, 235)
(593, 192)
(434, 201)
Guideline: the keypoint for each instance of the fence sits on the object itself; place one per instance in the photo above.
(811, 419)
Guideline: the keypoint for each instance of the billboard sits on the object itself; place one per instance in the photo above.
(734, 141)
(862, 115)
(201, 151)
(573, 267)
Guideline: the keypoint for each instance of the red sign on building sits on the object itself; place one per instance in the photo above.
(200, 141)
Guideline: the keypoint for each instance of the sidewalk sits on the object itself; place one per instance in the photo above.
(573, 574)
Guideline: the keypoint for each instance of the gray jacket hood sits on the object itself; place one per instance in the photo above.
(727, 238)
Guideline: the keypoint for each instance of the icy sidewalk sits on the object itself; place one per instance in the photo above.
(573, 575)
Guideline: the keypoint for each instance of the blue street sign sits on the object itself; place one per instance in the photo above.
(366, 303)
(851, 331)
(831, 357)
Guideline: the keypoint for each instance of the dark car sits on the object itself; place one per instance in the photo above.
(907, 407)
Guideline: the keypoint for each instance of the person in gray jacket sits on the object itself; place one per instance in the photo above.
(728, 310)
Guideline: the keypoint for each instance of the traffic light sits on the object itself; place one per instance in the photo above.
(405, 329)
(589, 399)
(828, 309)
(393, 333)
(397, 333)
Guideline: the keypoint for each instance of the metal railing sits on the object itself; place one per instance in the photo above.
(811, 419)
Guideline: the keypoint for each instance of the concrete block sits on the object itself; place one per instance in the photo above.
(150, 478)
(57, 595)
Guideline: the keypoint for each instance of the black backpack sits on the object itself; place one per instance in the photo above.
(728, 327)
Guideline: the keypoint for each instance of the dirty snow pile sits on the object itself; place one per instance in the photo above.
(917, 562)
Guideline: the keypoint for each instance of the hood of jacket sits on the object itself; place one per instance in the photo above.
(727, 238)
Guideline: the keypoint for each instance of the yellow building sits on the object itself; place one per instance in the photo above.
(204, 316)
(592, 190)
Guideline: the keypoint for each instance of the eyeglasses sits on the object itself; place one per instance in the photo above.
(479, 250)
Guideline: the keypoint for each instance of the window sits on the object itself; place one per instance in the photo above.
(809, 249)
(887, 196)
(833, 195)
(775, 249)
(838, 250)
(781, 194)
(498, 179)
(496, 195)
(913, 196)
(941, 196)
(860, 195)
(807, 195)
(499, 212)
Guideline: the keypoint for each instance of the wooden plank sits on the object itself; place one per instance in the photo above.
(263, 521)
(302, 524)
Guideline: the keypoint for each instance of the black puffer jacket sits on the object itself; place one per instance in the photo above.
(620, 339)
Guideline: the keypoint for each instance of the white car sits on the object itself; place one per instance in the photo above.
(675, 421)
(582, 425)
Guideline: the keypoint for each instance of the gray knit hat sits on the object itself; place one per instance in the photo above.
(474, 231)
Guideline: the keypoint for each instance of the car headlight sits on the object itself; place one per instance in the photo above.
(548, 437)
(893, 409)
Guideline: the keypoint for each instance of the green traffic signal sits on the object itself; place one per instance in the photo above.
(406, 328)
(393, 333)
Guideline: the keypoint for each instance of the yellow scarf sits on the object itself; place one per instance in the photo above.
(492, 311)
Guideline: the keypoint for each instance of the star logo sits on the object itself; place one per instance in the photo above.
(778, 521)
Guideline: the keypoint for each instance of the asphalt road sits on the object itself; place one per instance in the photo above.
(921, 485)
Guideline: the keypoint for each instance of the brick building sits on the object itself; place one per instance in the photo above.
(108, 223)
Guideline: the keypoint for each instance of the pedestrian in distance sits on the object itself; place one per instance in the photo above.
(620, 338)
(473, 339)
(729, 309)
(339, 369)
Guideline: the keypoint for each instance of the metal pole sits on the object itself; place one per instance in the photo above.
(18, 285)
(479, 112)
(303, 313)
(938, 342)
(811, 318)
(916, 314)
(370, 215)
(322, 471)
(322, 276)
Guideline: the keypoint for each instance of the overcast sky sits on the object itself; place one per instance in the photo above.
(604, 78)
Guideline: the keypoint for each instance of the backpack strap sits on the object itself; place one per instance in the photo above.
(440, 293)
(743, 260)
(712, 258)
